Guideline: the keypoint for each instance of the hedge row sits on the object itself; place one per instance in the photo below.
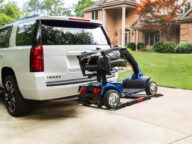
(170, 47)
(164, 47)
(184, 48)
(140, 46)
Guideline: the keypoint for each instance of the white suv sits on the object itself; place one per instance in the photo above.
(38, 58)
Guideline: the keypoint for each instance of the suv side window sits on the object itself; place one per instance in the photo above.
(25, 34)
(4, 37)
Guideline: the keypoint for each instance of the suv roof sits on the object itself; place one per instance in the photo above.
(36, 17)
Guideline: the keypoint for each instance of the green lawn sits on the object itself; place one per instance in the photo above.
(169, 70)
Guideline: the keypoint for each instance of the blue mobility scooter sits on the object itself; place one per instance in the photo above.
(101, 64)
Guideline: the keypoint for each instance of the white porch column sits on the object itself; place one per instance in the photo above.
(123, 26)
(104, 18)
(137, 39)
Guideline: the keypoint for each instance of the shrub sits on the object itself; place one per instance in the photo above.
(164, 47)
(184, 48)
(158, 46)
(141, 45)
(132, 46)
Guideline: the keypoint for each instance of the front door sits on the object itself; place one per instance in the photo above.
(127, 37)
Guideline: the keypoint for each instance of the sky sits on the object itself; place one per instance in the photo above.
(68, 3)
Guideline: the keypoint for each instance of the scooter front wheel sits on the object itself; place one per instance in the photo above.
(151, 88)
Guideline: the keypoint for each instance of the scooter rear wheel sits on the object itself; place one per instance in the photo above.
(111, 99)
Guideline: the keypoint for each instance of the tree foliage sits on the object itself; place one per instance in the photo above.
(33, 6)
(158, 14)
(8, 12)
(11, 10)
(1, 2)
(164, 10)
(47, 7)
(81, 5)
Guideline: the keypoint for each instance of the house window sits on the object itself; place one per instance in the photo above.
(187, 6)
(184, 8)
(152, 37)
(95, 15)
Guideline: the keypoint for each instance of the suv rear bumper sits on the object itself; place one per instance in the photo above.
(34, 87)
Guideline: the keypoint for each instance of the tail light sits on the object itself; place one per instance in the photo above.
(36, 59)
(96, 90)
(82, 91)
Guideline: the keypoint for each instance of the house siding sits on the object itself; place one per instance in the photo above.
(88, 15)
(114, 24)
(186, 33)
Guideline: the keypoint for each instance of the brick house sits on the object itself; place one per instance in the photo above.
(186, 27)
(121, 23)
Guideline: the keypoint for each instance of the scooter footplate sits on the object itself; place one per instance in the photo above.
(132, 91)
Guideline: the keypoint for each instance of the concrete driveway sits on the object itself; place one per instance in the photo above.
(163, 120)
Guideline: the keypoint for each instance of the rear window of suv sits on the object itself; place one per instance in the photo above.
(72, 33)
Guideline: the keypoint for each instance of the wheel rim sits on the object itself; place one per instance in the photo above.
(153, 88)
(9, 96)
(113, 99)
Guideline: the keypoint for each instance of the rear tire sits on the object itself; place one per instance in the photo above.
(15, 103)
(111, 99)
(151, 88)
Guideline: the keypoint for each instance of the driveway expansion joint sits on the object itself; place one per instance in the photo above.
(174, 142)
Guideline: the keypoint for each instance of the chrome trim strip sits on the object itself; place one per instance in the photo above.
(71, 81)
